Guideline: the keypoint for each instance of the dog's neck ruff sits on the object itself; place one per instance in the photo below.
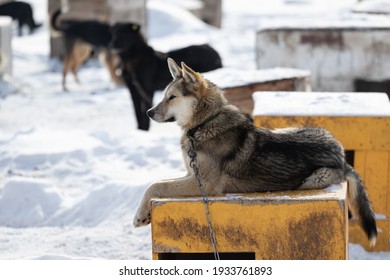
(191, 132)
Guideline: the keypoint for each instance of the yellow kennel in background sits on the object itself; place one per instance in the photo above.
(361, 122)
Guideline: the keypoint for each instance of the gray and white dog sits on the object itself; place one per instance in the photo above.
(234, 156)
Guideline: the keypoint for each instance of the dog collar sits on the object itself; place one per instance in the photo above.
(191, 132)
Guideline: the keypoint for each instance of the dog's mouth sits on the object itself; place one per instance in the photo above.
(171, 119)
(152, 115)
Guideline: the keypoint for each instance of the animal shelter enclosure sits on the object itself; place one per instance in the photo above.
(274, 225)
(360, 121)
(337, 50)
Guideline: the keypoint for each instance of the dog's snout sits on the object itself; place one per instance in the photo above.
(150, 113)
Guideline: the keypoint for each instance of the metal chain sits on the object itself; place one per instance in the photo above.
(193, 164)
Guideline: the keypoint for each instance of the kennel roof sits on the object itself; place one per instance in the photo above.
(321, 104)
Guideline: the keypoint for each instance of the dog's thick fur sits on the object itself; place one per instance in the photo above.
(80, 38)
(144, 70)
(22, 12)
(234, 156)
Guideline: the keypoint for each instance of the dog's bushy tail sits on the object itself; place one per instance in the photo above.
(360, 205)
(53, 20)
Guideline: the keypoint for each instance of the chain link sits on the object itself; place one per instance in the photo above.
(193, 164)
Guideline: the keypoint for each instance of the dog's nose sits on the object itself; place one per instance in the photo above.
(150, 113)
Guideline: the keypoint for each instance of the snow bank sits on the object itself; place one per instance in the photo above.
(27, 202)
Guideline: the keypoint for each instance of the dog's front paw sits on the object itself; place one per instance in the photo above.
(142, 218)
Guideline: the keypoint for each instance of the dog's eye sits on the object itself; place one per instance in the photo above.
(171, 97)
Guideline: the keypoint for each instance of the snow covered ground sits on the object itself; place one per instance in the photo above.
(73, 166)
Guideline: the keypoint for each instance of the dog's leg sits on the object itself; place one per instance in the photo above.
(80, 54)
(108, 59)
(64, 72)
(20, 27)
(182, 187)
(73, 68)
(140, 105)
(322, 178)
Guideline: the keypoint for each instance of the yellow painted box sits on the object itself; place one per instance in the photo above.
(309, 224)
(360, 121)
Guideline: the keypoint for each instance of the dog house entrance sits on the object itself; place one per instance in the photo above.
(206, 256)
(350, 157)
(362, 85)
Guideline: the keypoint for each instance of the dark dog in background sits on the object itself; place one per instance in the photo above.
(144, 69)
(80, 39)
(22, 12)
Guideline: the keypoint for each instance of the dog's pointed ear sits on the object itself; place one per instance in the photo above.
(174, 69)
(189, 75)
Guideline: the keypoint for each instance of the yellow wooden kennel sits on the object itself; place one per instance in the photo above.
(361, 122)
(278, 225)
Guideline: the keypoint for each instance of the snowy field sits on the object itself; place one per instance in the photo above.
(73, 166)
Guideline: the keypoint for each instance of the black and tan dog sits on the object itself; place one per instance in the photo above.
(80, 38)
(144, 69)
(22, 12)
(233, 156)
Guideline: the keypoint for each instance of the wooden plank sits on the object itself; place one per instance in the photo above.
(376, 179)
(388, 187)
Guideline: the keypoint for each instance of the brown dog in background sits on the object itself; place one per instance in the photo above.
(80, 39)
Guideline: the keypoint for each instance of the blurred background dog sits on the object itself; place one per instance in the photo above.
(81, 38)
(22, 12)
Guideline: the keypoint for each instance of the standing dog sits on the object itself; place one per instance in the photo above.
(234, 156)
(80, 37)
(22, 12)
(144, 69)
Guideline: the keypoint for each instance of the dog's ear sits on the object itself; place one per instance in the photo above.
(189, 75)
(174, 69)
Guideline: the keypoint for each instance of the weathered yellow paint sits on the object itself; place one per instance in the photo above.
(369, 138)
(356, 133)
(280, 225)
(376, 169)
(357, 235)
